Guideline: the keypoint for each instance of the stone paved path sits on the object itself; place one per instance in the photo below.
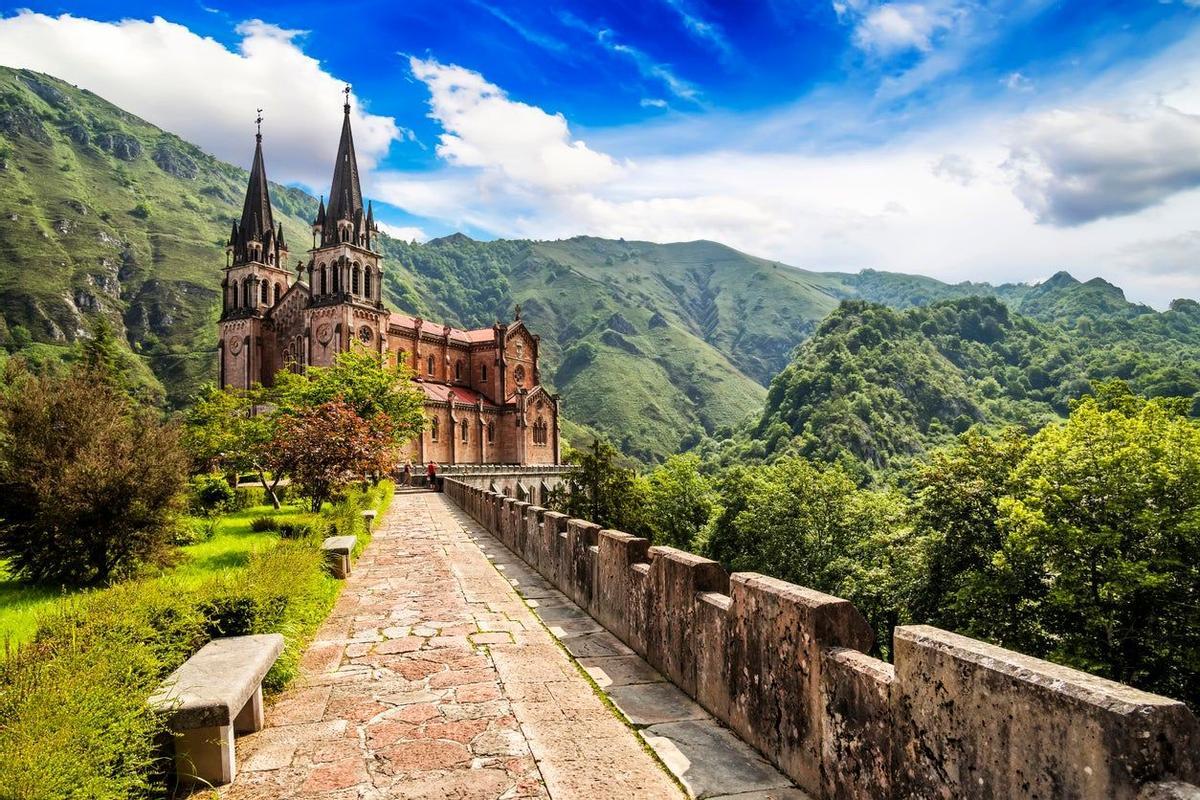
(432, 679)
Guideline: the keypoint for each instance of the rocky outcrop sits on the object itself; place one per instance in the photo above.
(121, 145)
(174, 162)
(18, 121)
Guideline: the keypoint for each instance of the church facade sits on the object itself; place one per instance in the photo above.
(484, 401)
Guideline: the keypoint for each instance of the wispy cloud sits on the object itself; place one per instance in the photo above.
(647, 67)
(710, 33)
(542, 40)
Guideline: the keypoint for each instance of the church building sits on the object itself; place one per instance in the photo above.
(484, 400)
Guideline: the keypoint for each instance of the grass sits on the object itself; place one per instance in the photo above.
(229, 548)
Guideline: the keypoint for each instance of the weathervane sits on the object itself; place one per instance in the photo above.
(346, 92)
(258, 122)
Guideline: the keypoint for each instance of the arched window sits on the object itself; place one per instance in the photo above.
(433, 430)
(458, 370)
(324, 281)
(278, 292)
(355, 279)
(247, 298)
(465, 430)
(519, 375)
(266, 290)
(429, 365)
(491, 432)
(483, 372)
(368, 278)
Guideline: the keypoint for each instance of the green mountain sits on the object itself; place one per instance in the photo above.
(103, 213)
(876, 386)
(657, 346)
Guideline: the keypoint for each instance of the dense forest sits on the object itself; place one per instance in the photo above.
(875, 386)
(1079, 543)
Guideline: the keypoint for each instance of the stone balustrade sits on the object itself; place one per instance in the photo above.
(785, 668)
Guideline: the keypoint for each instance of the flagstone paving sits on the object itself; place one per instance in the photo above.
(432, 679)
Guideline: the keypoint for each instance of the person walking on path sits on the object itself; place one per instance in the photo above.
(431, 474)
(406, 475)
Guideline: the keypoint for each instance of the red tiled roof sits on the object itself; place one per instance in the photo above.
(440, 392)
(436, 328)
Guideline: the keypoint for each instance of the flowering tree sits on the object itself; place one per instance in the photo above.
(326, 447)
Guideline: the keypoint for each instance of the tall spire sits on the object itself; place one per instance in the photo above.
(345, 195)
(256, 211)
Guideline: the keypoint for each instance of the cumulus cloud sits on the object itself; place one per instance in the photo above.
(485, 129)
(895, 27)
(405, 233)
(197, 88)
(1072, 167)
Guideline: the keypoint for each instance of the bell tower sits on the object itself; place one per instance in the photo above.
(345, 276)
(256, 276)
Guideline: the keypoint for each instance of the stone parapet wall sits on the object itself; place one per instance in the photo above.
(784, 667)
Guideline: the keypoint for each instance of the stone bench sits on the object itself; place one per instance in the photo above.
(368, 517)
(213, 695)
(337, 553)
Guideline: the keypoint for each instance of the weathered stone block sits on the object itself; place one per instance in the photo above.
(776, 633)
(856, 696)
(676, 578)
(712, 662)
(554, 528)
(975, 720)
(580, 565)
(616, 553)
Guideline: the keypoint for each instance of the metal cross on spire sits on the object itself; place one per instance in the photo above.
(346, 92)
(258, 122)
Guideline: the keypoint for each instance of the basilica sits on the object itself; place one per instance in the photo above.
(484, 401)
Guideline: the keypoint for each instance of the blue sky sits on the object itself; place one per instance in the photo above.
(963, 139)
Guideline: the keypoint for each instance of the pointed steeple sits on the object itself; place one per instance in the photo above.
(279, 238)
(345, 195)
(256, 219)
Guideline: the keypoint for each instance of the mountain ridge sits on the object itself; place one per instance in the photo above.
(654, 345)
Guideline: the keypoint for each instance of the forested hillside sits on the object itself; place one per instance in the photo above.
(876, 386)
(656, 346)
(104, 214)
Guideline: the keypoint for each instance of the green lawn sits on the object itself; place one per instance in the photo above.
(229, 548)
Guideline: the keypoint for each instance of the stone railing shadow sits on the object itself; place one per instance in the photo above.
(785, 668)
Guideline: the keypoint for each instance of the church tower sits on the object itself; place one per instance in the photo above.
(256, 276)
(345, 278)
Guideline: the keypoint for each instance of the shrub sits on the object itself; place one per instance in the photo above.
(211, 494)
(89, 481)
(264, 524)
(248, 497)
(299, 529)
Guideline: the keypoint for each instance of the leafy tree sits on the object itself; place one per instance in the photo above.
(325, 448)
(812, 526)
(955, 513)
(1107, 518)
(602, 491)
(89, 481)
(678, 502)
(366, 382)
(233, 432)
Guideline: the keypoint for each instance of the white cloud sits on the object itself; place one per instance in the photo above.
(485, 129)
(944, 202)
(405, 233)
(896, 27)
(195, 87)
(1076, 166)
